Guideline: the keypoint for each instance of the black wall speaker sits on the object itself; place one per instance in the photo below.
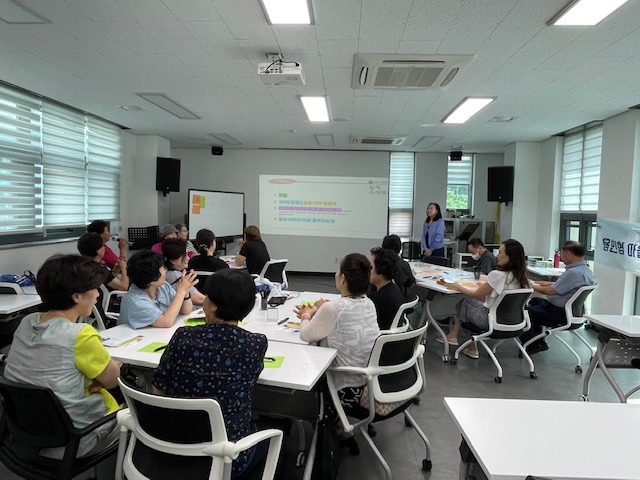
(500, 184)
(167, 174)
(455, 156)
(216, 150)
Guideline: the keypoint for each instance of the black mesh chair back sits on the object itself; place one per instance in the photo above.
(7, 288)
(33, 419)
(441, 261)
(411, 251)
(577, 305)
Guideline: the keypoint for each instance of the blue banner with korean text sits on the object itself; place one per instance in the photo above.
(618, 245)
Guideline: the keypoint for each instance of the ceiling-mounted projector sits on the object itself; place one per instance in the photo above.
(276, 73)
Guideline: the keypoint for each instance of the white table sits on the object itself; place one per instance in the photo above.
(546, 273)
(440, 301)
(14, 303)
(257, 322)
(512, 439)
(628, 328)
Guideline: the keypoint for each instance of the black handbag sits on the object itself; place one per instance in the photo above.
(327, 460)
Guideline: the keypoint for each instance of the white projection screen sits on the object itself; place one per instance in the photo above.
(221, 212)
(324, 206)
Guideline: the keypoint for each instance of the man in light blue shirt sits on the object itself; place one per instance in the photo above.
(550, 311)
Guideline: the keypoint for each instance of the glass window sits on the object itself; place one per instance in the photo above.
(59, 169)
(401, 179)
(459, 182)
(581, 156)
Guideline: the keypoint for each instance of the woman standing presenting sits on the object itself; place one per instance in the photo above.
(433, 232)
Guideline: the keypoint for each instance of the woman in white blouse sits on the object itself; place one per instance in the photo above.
(348, 324)
(511, 274)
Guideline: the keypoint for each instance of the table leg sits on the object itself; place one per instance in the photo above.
(439, 305)
(598, 359)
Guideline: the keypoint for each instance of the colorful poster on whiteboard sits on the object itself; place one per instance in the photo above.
(618, 245)
(351, 207)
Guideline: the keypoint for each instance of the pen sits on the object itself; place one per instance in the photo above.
(283, 320)
(269, 359)
(159, 348)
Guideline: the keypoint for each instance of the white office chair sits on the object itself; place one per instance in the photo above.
(507, 319)
(181, 438)
(273, 271)
(394, 375)
(573, 310)
(95, 319)
(400, 322)
(8, 288)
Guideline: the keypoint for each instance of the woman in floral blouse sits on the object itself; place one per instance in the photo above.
(219, 360)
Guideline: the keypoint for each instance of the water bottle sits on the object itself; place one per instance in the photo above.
(556, 259)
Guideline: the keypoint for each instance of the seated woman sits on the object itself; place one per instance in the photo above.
(404, 275)
(348, 324)
(166, 231)
(253, 252)
(174, 251)
(151, 301)
(206, 261)
(51, 349)
(219, 360)
(386, 296)
(183, 233)
(511, 274)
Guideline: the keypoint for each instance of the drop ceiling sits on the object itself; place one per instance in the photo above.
(95, 55)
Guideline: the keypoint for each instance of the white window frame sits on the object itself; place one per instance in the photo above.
(460, 173)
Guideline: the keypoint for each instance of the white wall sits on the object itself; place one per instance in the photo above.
(239, 171)
(548, 198)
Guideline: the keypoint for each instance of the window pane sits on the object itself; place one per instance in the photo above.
(401, 179)
(581, 157)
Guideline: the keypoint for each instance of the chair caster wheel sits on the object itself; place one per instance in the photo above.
(578, 369)
(498, 379)
(426, 465)
(445, 358)
(371, 430)
(533, 375)
(300, 459)
(583, 398)
(416, 401)
(453, 361)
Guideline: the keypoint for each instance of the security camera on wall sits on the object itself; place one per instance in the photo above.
(216, 150)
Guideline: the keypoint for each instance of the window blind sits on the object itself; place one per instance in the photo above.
(401, 180)
(460, 172)
(581, 156)
(459, 184)
(20, 163)
(58, 167)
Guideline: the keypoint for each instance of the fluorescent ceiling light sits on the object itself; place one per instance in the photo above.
(168, 105)
(316, 108)
(586, 12)
(467, 109)
(12, 11)
(287, 12)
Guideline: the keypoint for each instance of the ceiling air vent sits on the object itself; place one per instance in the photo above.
(406, 72)
(378, 140)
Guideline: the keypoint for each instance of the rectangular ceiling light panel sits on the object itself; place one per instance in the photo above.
(287, 12)
(467, 109)
(316, 108)
(587, 12)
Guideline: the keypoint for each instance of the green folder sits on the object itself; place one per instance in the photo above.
(192, 322)
(273, 361)
(151, 348)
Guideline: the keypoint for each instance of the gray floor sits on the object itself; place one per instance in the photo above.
(469, 378)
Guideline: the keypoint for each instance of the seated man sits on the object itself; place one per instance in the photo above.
(387, 297)
(102, 228)
(151, 301)
(485, 260)
(550, 311)
(403, 275)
